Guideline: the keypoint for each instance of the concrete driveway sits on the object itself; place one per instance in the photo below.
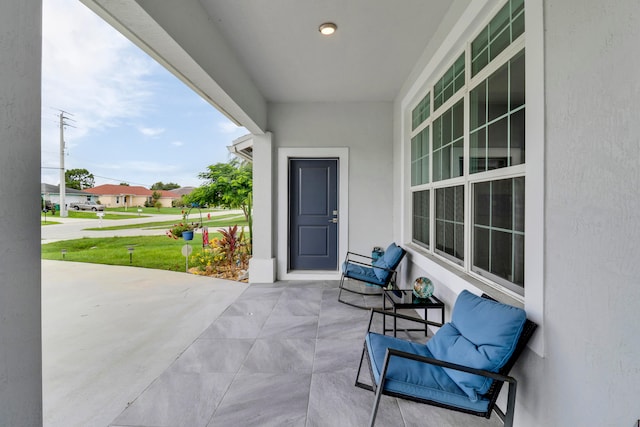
(108, 332)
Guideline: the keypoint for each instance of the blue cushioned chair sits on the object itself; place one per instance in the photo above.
(462, 367)
(380, 273)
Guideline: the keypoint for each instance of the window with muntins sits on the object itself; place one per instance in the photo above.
(449, 83)
(450, 222)
(504, 28)
(421, 112)
(420, 157)
(467, 159)
(421, 229)
(448, 143)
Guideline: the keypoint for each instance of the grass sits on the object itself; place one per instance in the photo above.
(89, 215)
(157, 252)
(161, 211)
(218, 221)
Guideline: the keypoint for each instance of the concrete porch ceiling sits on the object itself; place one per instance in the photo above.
(242, 55)
(367, 59)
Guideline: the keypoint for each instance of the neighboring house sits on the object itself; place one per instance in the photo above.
(498, 146)
(114, 196)
(49, 192)
(182, 191)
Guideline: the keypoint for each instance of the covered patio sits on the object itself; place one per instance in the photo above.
(283, 354)
(550, 224)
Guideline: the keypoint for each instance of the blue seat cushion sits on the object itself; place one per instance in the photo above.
(362, 273)
(416, 379)
(392, 256)
(482, 334)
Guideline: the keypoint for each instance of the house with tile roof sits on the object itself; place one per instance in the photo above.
(51, 193)
(118, 196)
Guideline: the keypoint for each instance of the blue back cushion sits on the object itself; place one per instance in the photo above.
(482, 334)
(390, 259)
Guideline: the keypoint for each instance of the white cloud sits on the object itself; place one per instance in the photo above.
(89, 70)
(177, 143)
(151, 131)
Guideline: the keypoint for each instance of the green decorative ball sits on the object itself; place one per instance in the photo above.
(423, 288)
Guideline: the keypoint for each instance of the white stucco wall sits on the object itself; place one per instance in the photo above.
(366, 129)
(592, 276)
(20, 337)
(589, 371)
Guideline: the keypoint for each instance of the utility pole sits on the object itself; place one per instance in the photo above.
(63, 187)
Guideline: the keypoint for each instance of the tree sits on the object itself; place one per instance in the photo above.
(79, 179)
(228, 185)
(155, 196)
(162, 186)
(126, 184)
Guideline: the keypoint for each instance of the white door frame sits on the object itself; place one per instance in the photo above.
(284, 154)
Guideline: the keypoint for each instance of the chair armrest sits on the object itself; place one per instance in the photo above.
(358, 255)
(369, 265)
(443, 364)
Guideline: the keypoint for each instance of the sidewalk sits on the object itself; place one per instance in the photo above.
(109, 331)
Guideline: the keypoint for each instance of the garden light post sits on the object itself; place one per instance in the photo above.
(130, 249)
(64, 252)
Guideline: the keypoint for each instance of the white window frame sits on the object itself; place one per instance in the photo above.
(455, 278)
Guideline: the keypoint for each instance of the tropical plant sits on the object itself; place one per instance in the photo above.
(226, 255)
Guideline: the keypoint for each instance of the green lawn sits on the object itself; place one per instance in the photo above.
(157, 252)
(217, 221)
(89, 215)
(163, 211)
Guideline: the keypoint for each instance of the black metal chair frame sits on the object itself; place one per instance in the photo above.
(367, 261)
(492, 394)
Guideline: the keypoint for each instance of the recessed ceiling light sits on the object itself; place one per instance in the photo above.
(328, 28)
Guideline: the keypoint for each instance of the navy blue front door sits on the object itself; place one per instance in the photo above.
(313, 214)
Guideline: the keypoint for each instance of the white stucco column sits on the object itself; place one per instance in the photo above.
(262, 266)
(20, 321)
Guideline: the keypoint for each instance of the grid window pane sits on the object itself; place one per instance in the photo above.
(450, 221)
(498, 229)
(448, 129)
(421, 112)
(420, 157)
(501, 97)
(504, 28)
(420, 233)
(450, 82)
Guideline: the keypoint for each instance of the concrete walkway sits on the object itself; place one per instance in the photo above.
(108, 332)
(76, 228)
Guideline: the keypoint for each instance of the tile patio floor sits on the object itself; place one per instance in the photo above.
(284, 354)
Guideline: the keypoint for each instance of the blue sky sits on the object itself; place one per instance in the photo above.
(134, 121)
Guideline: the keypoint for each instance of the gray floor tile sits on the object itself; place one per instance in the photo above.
(280, 355)
(335, 401)
(265, 400)
(290, 327)
(248, 326)
(299, 302)
(214, 355)
(432, 416)
(284, 354)
(334, 355)
(177, 399)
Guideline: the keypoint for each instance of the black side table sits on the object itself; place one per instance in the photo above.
(403, 299)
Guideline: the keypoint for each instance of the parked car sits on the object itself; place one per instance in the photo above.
(86, 206)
